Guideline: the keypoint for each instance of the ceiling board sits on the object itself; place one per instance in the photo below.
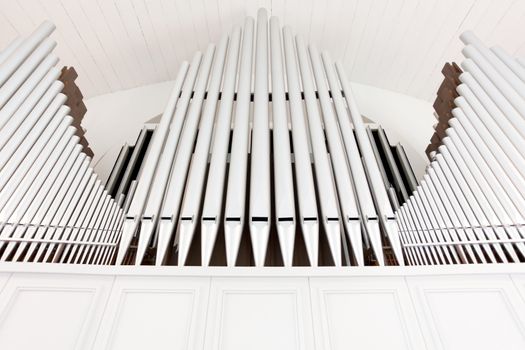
(398, 45)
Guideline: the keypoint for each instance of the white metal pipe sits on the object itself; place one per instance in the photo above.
(453, 157)
(432, 215)
(282, 162)
(25, 70)
(495, 176)
(513, 64)
(515, 98)
(13, 45)
(60, 194)
(482, 55)
(20, 54)
(478, 118)
(43, 94)
(461, 156)
(304, 181)
(93, 230)
(490, 151)
(31, 202)
(107, 230)
(323, 170)
(437, 208)
(260, 190)
(43, 70)
(214, 192)
(33, 161)
(446, 174)
(41, 210)
(84, 216)
(89, 230)
(236, 190)
(156, 169)
(60, 218)
(422, 213)
(107, 253)
(189, 215)
(29, 134)
(521, 61)
(480, 167)
(472, 200)
(419, 232)
(378, 190)
(65, 145)
(83, 203)
(112, 237)
(505, 115)
(68, 217)
(88, 224)
(406, 238)
(391, 163)
(458, 233)
(175, 185)
(405, 163)
(343, 178)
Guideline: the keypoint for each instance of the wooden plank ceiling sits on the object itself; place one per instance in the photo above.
(398, 45)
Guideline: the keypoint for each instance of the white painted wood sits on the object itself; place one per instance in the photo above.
(155, 312)
(65, 310)
(129, 43)
(88, 307)
(348, 312)
(450, 315)
(253, 313)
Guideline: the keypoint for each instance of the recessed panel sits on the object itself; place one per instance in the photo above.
(44, 319)
(475, 320)
(358, 318)
(259, 321)
(155, 320)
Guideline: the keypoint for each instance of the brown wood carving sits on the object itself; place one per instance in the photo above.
(444, 104)
(76, 103)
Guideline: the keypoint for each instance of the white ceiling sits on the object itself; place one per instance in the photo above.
(398, 45)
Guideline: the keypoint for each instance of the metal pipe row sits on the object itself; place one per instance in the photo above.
(477, 176)
(46, 179)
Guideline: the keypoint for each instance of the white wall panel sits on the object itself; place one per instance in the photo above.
(156, 313)
(470, 312)
(519, 282)
(40, 311)
(3, 280)
(459, 307)
(359, 310)
(259, 313)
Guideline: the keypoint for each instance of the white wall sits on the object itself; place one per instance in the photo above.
(115, 118)
(45, 306)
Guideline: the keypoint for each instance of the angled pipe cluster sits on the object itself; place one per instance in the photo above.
(470, 206)
(52, 205)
